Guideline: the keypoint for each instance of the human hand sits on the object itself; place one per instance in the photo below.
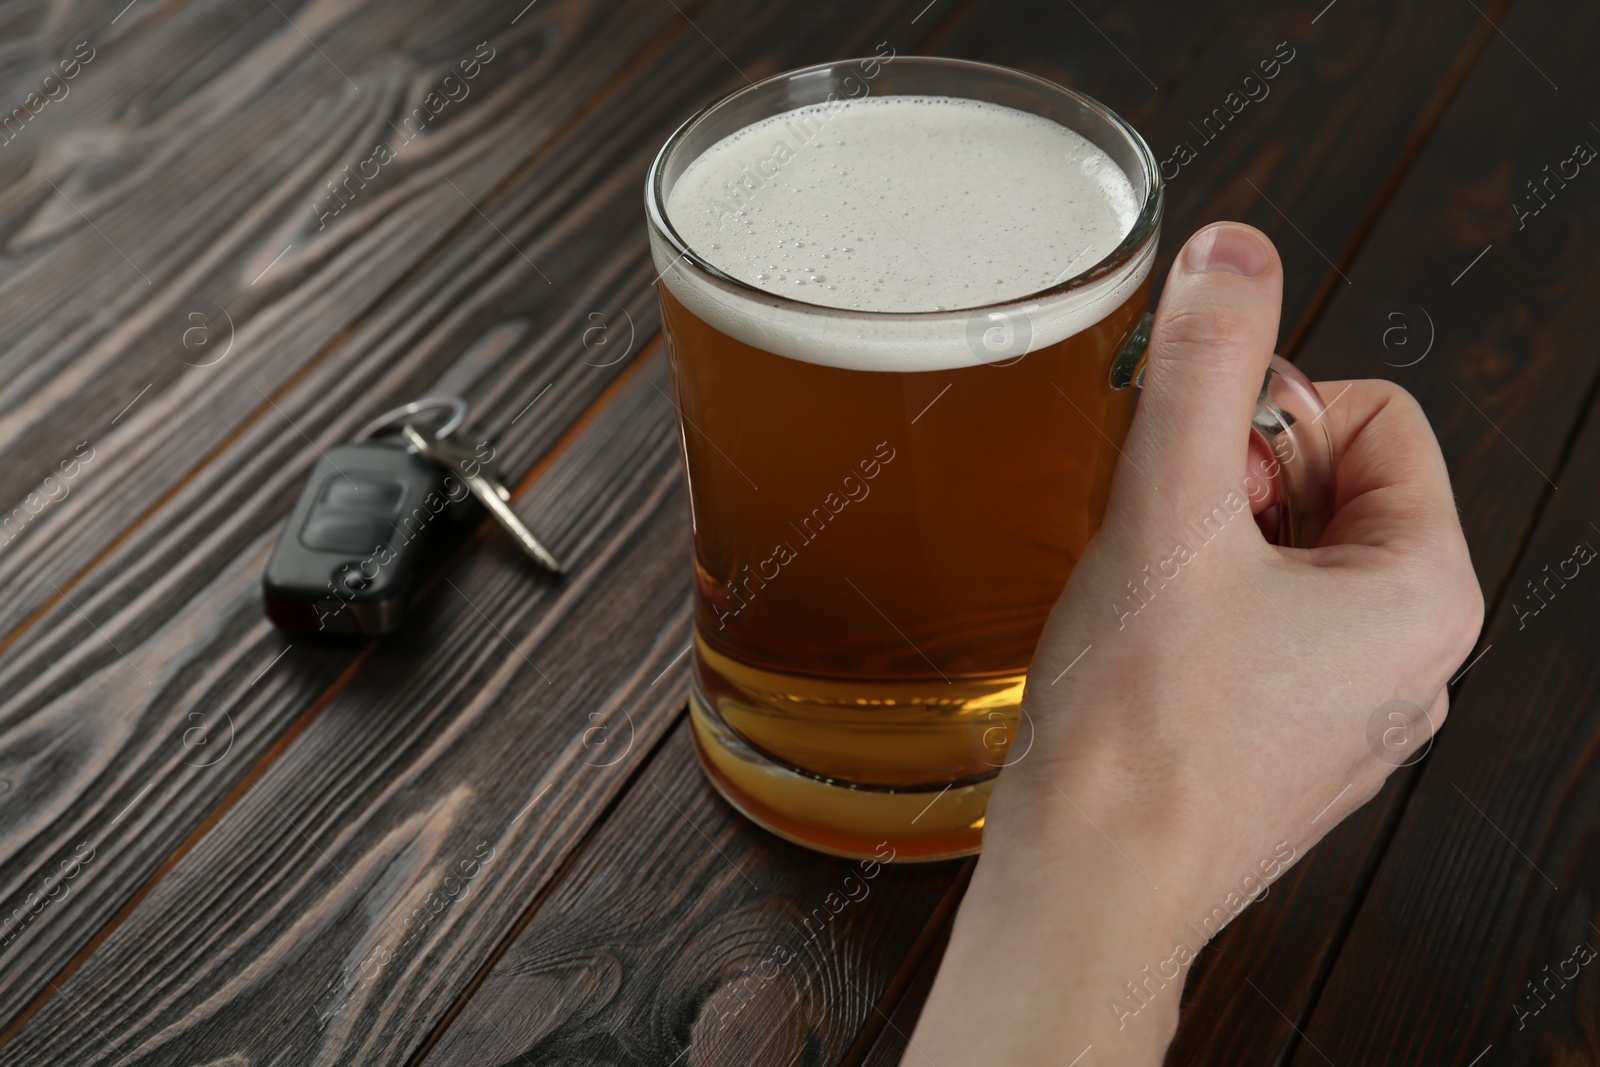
(1203, 702)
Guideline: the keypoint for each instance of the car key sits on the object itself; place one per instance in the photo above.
(368, 526)
(474, 471)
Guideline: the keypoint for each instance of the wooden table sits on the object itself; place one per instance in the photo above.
(485, 840)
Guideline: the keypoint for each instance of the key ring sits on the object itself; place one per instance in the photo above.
(402, 414)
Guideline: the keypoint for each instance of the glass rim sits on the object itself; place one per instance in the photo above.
(1144, 229)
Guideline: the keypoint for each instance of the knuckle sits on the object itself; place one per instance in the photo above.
(1398, 398)
(1436, 608)
(1457, 605)
(1200, 323)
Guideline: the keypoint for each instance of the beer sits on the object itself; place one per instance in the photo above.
(891, 323)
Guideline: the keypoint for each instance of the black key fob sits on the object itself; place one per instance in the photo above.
(367, 527)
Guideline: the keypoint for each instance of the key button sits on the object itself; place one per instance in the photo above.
(347, 531)
(363, 492)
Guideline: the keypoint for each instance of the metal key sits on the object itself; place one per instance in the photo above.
(459, 458)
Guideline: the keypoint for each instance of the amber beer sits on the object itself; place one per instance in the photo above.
(889, 485)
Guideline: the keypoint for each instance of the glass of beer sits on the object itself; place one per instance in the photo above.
(905, 303)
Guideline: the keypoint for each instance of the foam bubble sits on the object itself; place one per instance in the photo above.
(917, 205)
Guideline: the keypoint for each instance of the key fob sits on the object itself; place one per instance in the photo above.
(367, 528)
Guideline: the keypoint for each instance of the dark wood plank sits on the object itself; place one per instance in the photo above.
(684, 933)
(889, 1045)
(574, 208)
(343, 907)
(1456, 921)
(1129, 55)
(1493, 873)
(179, 596)
(1520, 327)
(242, 165)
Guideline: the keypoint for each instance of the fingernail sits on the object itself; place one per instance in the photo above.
(1233, 249)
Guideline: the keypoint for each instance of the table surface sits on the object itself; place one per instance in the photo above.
(485, 840)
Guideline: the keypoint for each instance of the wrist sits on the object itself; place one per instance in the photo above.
(1057, 948)
(1112, 769)
(1158, 843)
(1130, 813)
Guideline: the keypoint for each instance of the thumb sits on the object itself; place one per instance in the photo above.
(1213, 336)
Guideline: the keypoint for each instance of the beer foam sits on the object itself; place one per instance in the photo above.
(911, 204)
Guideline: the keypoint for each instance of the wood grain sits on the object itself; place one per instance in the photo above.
(1491, 875)
(893, 1039)
(383, 763)
(246, 159)
(1491, 881)
(1499, 333)
(1456, 921)
(165, 636)
(504, 719)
